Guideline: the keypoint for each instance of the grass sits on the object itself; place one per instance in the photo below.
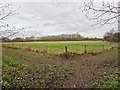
(17, 73)
(109, 81)
(73, 46)
(13, 72)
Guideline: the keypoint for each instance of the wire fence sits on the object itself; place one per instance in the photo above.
(63, 49)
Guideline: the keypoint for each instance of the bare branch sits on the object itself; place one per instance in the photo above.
(104, 14)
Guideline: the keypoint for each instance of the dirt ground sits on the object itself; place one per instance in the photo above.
(92, 68)
(89, 68)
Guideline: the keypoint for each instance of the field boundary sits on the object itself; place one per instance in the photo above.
(66, 54)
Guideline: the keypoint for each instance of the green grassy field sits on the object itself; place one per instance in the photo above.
(73, 46)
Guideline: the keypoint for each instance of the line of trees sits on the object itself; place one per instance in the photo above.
(62, 37)
(112, 36)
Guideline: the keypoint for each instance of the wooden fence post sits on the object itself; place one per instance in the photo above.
(66, 54)
(22, 45)
(66, 49)
(85, 49)
(103, 47)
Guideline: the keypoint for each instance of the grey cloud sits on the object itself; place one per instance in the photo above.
(54, 18)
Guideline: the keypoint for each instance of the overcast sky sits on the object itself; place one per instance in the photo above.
(52, 18)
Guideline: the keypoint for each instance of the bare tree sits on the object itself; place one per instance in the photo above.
(6, 11)
(102, 12)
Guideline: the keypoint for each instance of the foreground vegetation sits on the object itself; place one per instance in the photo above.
(41, 74)
(24, 68)
(13, 72)
(108, 81)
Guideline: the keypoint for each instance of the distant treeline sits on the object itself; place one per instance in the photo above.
(67, 37)
(109, 36)
(62, 37)
(112, 36)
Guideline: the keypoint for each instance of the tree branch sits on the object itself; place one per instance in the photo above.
(108, 10)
